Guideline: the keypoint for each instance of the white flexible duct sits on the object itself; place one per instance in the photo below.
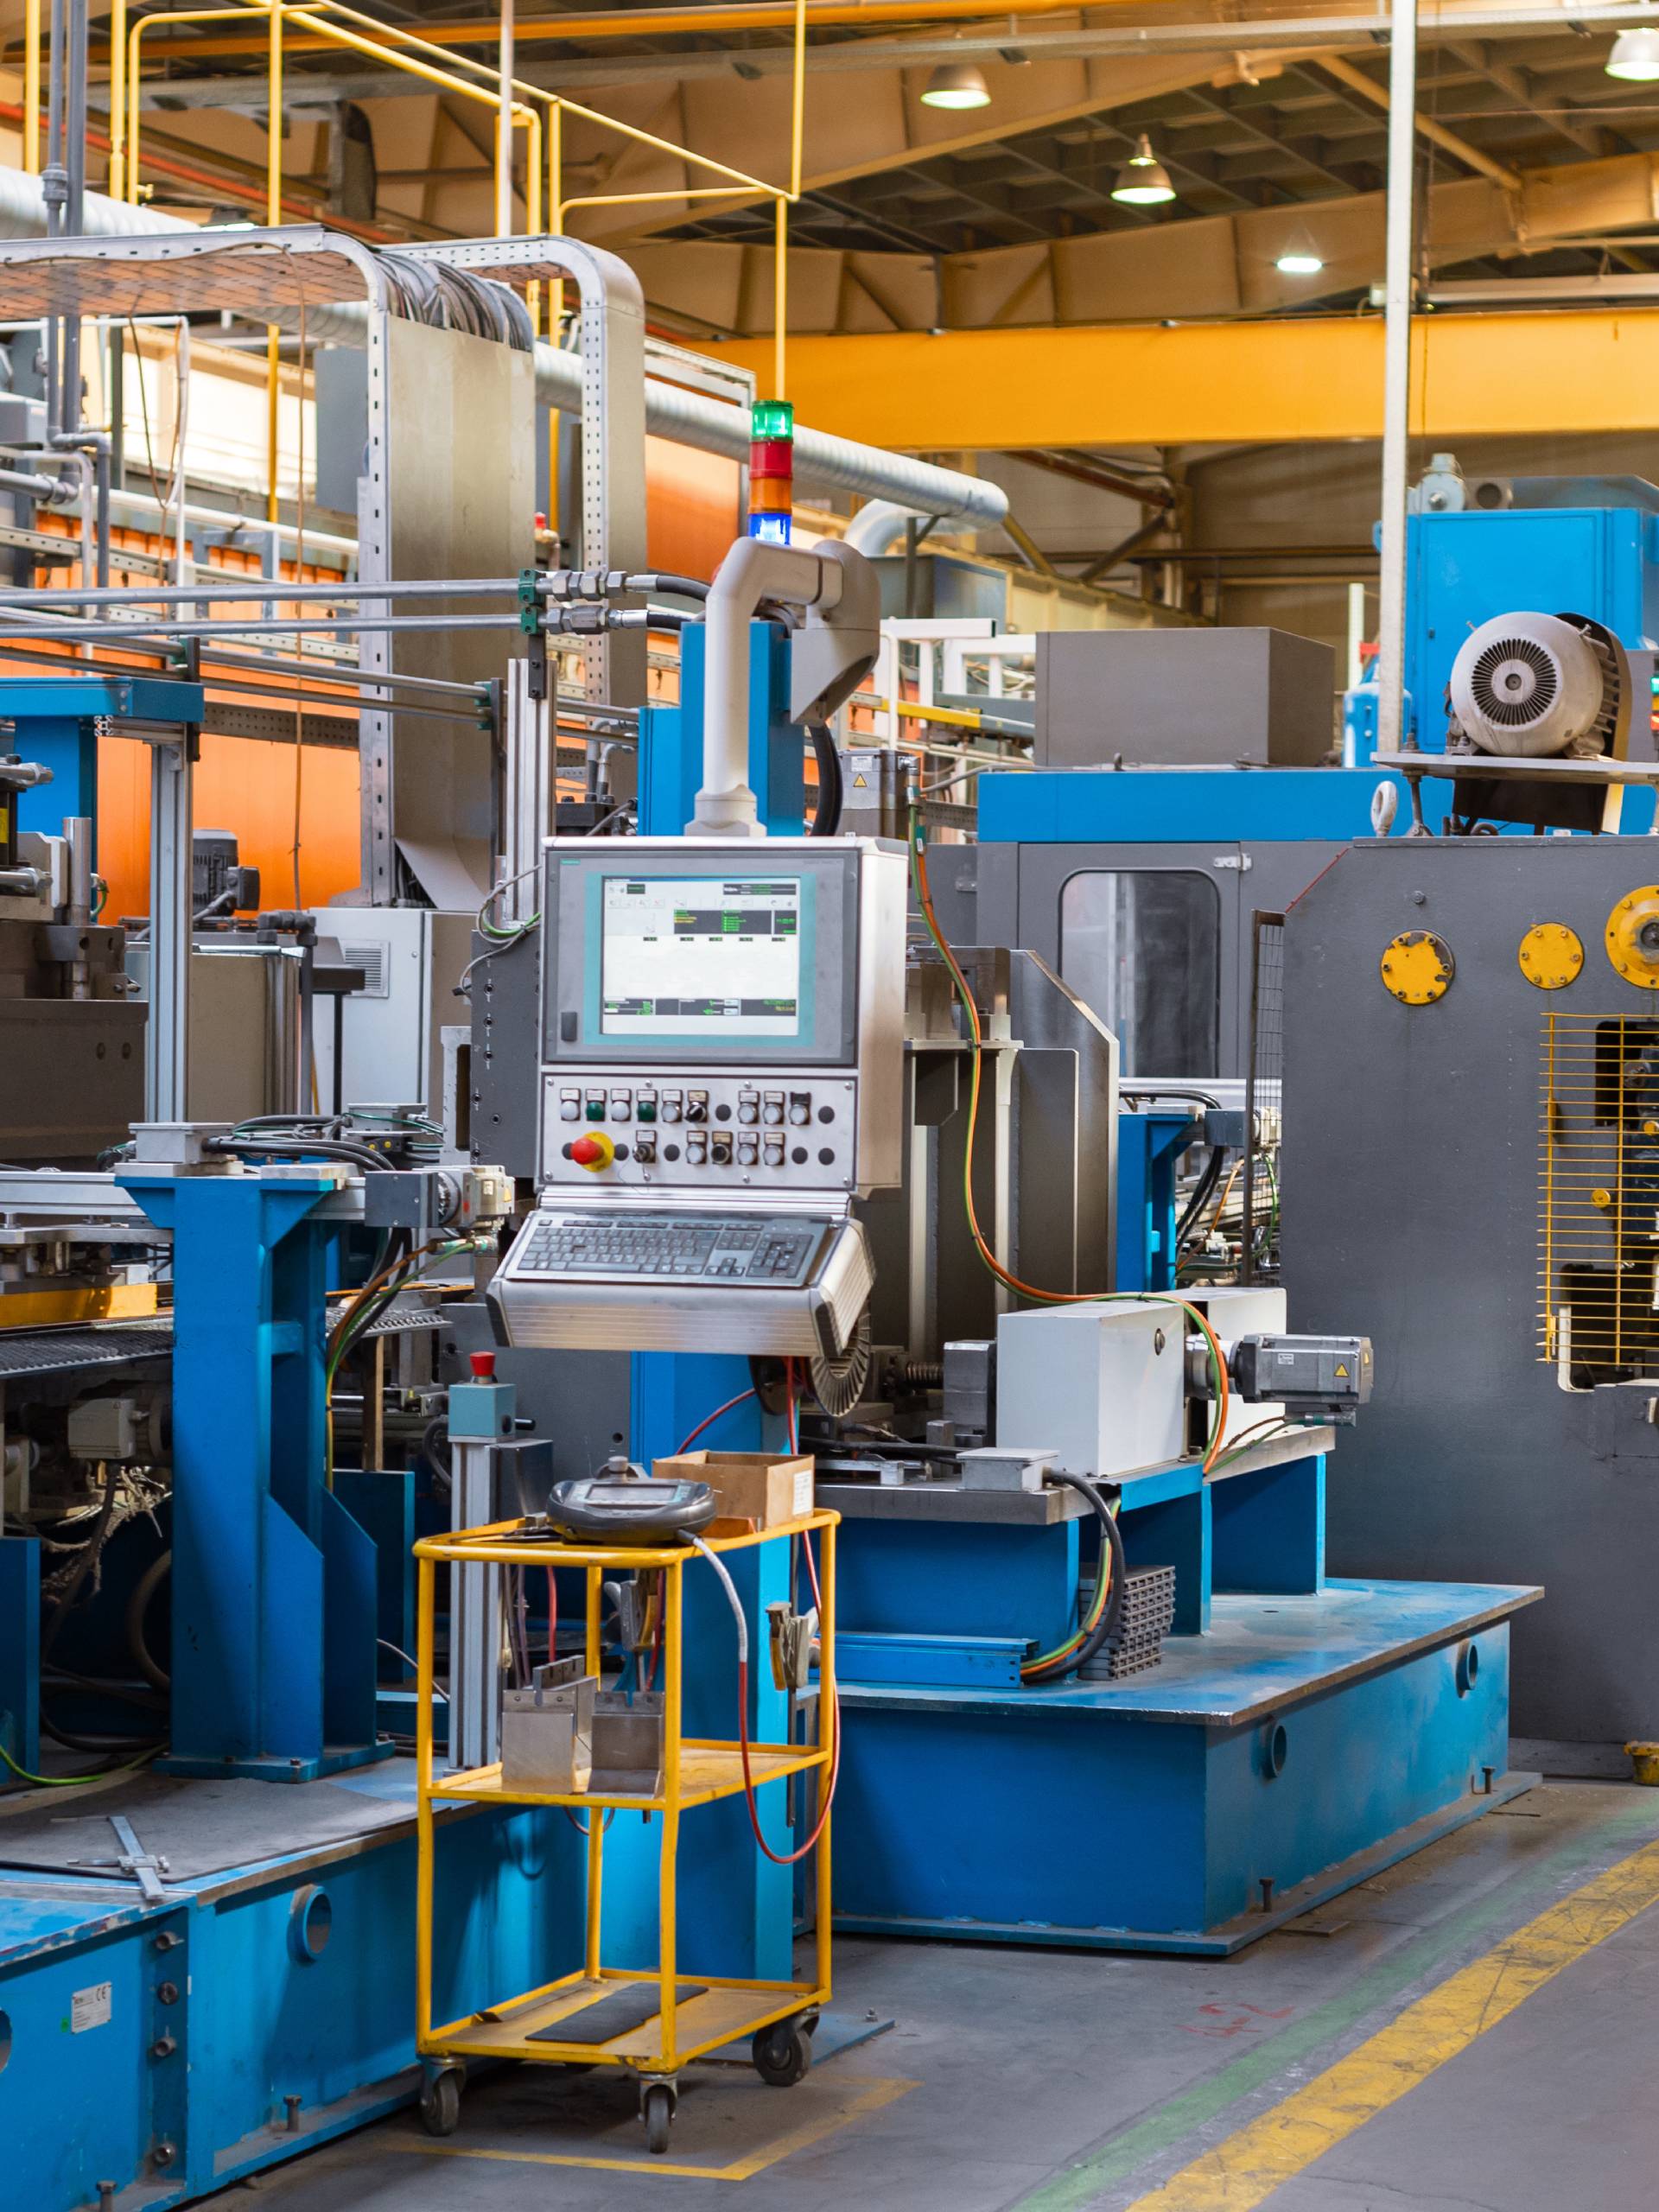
(839, 590)
(688, 418)
(877, 527)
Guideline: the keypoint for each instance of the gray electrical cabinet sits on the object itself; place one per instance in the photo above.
(1472, 1180)
(1184, 696)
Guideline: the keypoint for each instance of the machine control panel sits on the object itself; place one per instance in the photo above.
(702, 1130)
(722, 1019)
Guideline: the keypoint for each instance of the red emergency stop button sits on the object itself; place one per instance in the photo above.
(594, 1152)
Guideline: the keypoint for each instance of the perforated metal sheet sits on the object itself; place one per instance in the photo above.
(248, 272)
(65, 1351)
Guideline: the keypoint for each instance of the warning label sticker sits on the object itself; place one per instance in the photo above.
(90, 2008)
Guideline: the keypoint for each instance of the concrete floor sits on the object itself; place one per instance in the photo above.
(1054, 2082)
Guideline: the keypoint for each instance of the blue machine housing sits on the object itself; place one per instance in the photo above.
(1580, 545)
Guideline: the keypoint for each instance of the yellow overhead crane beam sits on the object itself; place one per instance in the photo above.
(1268, 383)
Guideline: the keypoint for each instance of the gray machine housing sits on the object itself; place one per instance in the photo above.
(1182, 698)
(1412, 1144)
(1035, 895)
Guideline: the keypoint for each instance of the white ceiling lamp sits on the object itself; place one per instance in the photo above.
(1635, 57)
(1143, 181)
(1298, 261)
(957, 85)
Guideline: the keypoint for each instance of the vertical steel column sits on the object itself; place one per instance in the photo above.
(474, 1615)
(166, 1034)
(527, 792)
(1396, 374)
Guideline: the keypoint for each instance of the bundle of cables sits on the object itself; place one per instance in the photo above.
(366, 1306)
(1069, 1657)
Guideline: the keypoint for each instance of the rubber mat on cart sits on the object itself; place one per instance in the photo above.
(619, 2014)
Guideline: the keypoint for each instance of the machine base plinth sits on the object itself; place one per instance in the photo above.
(335, 1760)
(1300, 1744)
(1222, 1941)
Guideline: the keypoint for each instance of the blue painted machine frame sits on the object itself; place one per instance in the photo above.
(1299, 1733)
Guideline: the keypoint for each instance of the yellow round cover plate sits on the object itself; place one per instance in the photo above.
(1417, 967)
(1551, 955)
(1633, 937)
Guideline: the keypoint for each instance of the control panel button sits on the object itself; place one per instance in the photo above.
(645, 1150)
(594, 1153)
(720, 1149)
(773, 1107)
(697, 1105)
(800, 1107)
(774, 1151)
(570, 1105)
(748, 1106)
(673, 1106)
(595, 1109)
(748, 1151)
(621, 1106)
(646, 1106)
(696, 1152)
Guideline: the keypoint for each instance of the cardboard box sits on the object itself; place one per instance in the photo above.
(750, 1485)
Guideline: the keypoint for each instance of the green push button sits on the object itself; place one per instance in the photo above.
(646, 1109)
(595, 1110)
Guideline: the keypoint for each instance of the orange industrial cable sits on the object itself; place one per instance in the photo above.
(924, 899)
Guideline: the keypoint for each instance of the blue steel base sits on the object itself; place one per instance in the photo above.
(1301, 1742)
(93, 1982)
(278, 1770)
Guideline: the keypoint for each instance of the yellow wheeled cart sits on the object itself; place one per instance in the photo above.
(780, 2017)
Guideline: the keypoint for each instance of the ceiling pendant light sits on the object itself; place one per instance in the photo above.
(955, 85)
(1298, 261)
(1143, 181)
(1635, 57)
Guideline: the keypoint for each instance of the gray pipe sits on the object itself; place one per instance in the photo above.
(688, 418)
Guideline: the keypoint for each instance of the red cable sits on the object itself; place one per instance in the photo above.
(712, 1418)
(552, 1618)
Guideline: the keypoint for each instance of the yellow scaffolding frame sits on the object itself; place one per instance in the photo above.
(401, 49)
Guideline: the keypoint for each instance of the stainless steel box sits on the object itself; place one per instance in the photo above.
(547, 1730)
(1183, 698)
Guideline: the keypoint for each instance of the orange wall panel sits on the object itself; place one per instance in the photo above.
(244, 786)
(691, 508)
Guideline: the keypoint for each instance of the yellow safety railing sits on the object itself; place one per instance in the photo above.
(333, 20)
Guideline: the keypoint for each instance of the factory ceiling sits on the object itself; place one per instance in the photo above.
(1271, 130)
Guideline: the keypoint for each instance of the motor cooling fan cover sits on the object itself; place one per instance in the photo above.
(1530, 684)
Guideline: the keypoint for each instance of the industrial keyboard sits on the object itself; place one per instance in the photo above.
(628, 1278)
(776, 1252)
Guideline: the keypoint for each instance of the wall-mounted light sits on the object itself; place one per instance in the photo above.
(955, 85)
(1635, 57)
(1143, 181)
(1298, 261)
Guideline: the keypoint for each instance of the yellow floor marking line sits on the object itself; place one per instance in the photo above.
(874, 2095)
(1247, 2169)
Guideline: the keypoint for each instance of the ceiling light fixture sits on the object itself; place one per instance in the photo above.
(1298, 261)
(957, 85)
(1635, 57)
(1143, 181)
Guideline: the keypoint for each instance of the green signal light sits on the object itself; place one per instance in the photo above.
(772, 418)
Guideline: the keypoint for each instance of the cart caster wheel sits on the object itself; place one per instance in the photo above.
(656, 2104)
(441, 2104)
(782, 2053)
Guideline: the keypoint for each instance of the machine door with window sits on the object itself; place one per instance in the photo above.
(1148, 938)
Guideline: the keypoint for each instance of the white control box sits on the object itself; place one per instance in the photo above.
(1102, 1385)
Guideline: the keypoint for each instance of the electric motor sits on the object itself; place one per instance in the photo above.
(1532, 686)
